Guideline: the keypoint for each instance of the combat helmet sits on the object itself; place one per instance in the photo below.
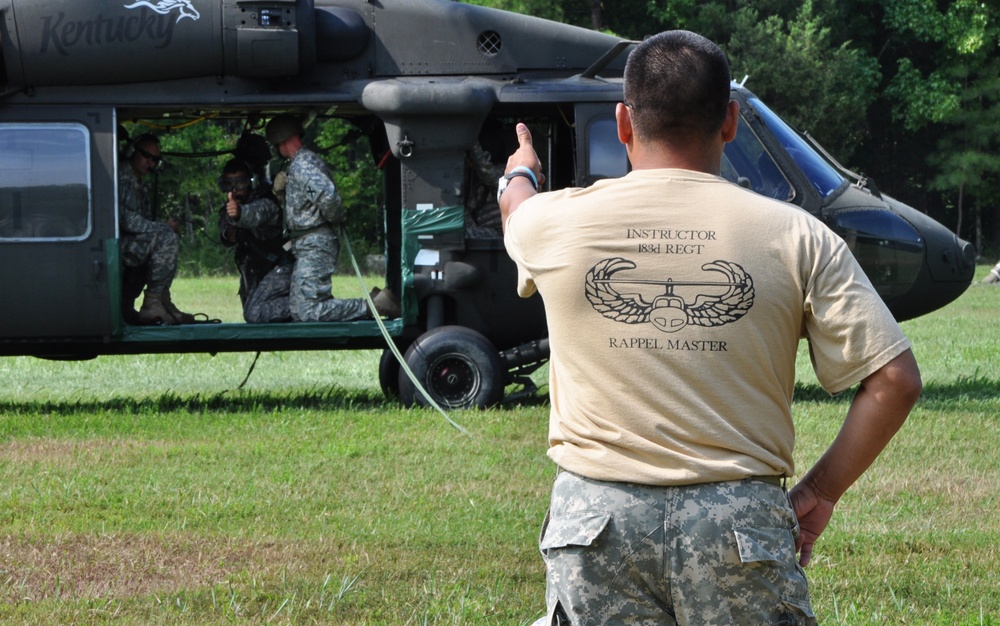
(282, 127)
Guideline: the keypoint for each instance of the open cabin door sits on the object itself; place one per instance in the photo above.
(57, 222)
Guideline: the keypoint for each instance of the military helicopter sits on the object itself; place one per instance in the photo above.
(437, 86)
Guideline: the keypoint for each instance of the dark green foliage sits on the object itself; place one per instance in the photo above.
(346, 148)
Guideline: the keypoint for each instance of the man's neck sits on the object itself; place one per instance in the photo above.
(706, 159)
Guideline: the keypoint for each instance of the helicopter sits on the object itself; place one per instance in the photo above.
(437, 86)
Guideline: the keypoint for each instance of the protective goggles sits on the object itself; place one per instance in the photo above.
(227, 184)
(155, 158)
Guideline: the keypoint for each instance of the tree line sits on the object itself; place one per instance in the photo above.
(906, 92)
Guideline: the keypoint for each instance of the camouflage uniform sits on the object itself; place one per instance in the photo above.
(711, 553)
(265, 267)
(313, 212)
(993, 277)
(269, 301)
(482, 214)
(145, 243)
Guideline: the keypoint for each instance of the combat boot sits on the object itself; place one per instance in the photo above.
(179, 316)
(129, 314)
(153, 311)
(386, 303)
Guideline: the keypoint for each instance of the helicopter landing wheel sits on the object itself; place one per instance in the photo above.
(459, 368)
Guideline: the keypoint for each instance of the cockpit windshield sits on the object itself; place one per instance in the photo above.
(820, 173)
(747, 163)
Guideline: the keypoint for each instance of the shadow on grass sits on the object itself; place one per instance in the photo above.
(972, 388)
(226, 401)
(964, 388)
(231, 401)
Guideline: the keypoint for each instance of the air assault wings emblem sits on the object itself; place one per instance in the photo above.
(668, 311)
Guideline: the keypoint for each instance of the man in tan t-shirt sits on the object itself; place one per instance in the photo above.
(675, 303)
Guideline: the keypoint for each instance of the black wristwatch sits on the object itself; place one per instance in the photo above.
(502, 183)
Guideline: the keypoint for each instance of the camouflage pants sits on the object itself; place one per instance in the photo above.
(712, 554)
(157, 251)
(269, 302)
(310, 298)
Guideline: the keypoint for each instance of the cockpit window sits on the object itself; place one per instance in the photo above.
(747, 163)
(890, 250)
(820, 173)
(44, 182)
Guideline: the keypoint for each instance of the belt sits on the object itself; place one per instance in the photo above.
(778, 481)
(771, 479)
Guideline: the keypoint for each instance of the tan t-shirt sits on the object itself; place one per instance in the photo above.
(675, 301)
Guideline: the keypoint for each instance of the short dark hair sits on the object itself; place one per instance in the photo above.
(236, 166)
(676, 85)
(146, 139)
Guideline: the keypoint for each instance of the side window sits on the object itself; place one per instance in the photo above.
(606, 156)
(44, 182)
(748, 163)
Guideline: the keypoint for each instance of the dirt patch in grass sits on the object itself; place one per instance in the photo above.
(69, 453)
(121, 566)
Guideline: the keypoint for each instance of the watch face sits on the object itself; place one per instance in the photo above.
(501, 185)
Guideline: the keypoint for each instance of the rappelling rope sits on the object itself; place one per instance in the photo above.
(388, 340)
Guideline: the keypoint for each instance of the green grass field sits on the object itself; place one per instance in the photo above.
(153, 490)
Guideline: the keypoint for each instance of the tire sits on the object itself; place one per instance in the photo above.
(459, 368)
(388, 374)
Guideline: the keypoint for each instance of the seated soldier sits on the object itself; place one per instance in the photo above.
(148, 247)
(251, 222)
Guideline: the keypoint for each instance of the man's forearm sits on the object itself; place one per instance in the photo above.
(518, 190)
(878, 410)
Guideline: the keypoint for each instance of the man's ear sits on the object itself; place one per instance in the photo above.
(623, 117)
(732, 121)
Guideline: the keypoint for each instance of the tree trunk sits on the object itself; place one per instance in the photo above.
(979, 225)
(596, 14)
(211, 216)
(961, 193)
(188, 225)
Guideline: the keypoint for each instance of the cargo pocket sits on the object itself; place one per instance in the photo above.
(572, 529)
(775, 547)
(555, 617)
(797, 613)
(764, 544)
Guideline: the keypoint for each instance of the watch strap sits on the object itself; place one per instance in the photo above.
(526, 173)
